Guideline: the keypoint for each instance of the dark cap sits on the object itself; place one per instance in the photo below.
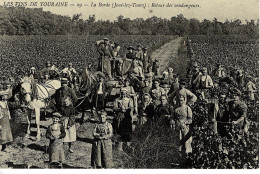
(156, 80)
(64, 80)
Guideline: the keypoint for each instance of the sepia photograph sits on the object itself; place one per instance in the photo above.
(129, 84)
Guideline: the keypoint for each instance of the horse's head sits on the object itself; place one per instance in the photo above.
(26, 91)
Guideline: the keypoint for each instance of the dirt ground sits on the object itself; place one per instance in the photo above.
(27, 153)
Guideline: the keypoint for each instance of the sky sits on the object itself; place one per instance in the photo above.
(205, 9)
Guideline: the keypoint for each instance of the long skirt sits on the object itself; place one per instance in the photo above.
(6, 133)
(56, 151)
(102, 154)
(70, 133)
(122, 124)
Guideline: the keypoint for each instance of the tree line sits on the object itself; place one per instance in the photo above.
(26, 21)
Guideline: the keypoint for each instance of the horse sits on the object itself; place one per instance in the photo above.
(86, 88)
(34, 98)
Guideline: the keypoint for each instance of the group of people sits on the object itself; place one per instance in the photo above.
(148, 95)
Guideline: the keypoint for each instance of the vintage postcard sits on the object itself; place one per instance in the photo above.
(129, 84)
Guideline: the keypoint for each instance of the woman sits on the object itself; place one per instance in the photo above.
(68, 113)
(56, 133)
(5, 128)
(101, 156)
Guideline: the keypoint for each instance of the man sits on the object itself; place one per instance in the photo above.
(183, 117)
(146, 110)
(171, 75)
(204, 82)
(33, 77)
(189, 97)
(130, 54)
(137, 70)
(163, 111)
(69, 70)
(251, 88)
(195, 73)
(146, 89)
(102, 151)
(156, 92)
(221, 114)
(122, 123)
(63, 93)
(156, 68)
(174, 84)
(119, 73)
(114, 63)
(45, 72)
(240, 79)
(165, 82)
(146, 60)
(101, 92)
(237, 110)
(70, 73)
(135, 82)
(139, 54)
(219, 72)
(106, 52)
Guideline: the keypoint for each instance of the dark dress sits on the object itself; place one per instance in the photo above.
(56, 149)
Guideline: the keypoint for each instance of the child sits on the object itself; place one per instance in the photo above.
(5, 128)
(101, 156)
(55, 133)
(69, 123)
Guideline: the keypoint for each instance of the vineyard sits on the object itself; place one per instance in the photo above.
(80, 50)
(236, 150)
(159, 150)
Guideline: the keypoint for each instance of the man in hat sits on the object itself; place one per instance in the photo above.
(146, 89)
(70, 73)
(204, 82)
(146, 109)
(33, 77)
(156, 92)
(118, 72)
(69, 70)
(183, 117)
(251, 88)
(237, 109)
(122, 123)
(195, 73)
(102, 90)
(163, 111)
(106, 52)
(189, 97)
(135, 81)
(130, 54)
(137, 70)
(139, 54)
(219, 72)
(221, 114)
(114, 63)
(174, 83)
(240, 79)
(147, 60)
(46, 70)
(61, 94)
(156, 69)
